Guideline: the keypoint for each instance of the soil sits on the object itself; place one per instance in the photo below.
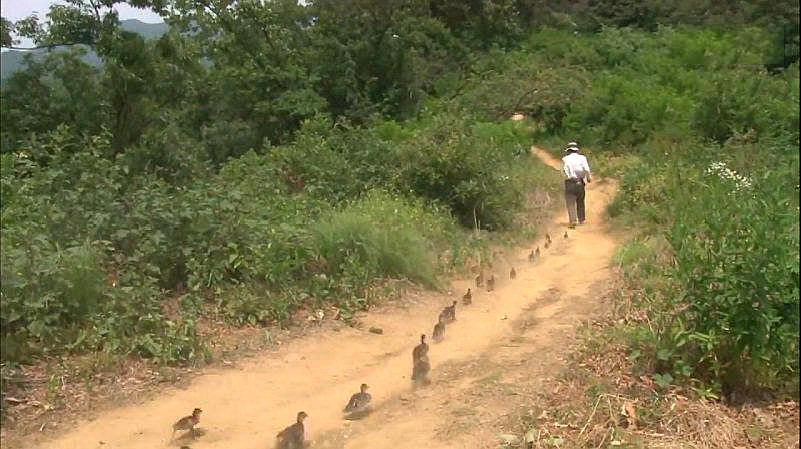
(515, 334)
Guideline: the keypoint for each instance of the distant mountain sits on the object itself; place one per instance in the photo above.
(146, 30)
(12, 60)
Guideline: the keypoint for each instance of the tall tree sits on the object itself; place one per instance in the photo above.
(59, 89)
(259, 77)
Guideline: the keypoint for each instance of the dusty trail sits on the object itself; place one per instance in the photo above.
(529, 320)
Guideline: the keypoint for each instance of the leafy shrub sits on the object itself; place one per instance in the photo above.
(227, 139)
(739, 101)
(563, 48)
(334, 163)
(466, 168)
(737, 263)
(643, 188)
(627, 110)
(67, 233)
(53, 89)
(244, 227)
(542, 92)
(49, 293)
(728, 314)
(169, 153)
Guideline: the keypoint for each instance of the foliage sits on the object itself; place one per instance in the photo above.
(264, 157)
(728, 313)
(743, 101)
(466, 167)
(721, 291)
(382, 235)
(57, 89)
(334, 162)
(93, 244)
(543, 92)
(737, 264)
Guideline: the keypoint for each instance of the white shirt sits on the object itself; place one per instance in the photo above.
(575, 166)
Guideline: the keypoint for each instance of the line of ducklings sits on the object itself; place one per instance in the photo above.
(421, 365)
(294, 436)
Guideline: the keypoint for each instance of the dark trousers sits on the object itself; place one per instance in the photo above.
(574, 200)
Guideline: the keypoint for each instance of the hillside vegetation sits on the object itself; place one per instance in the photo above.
(332, 147)
(705, 143)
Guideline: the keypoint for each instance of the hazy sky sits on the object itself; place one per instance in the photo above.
(19, 9)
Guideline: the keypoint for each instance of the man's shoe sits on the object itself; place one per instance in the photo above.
(571, 226)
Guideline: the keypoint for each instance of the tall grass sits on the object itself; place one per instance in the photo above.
(382, 235)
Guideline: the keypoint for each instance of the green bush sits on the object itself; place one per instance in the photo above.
(735, 243)
(467, 168)
(69, 224)
(540, 88)
(334, 162)
(626, 110)
(49, 293)
(738, 101)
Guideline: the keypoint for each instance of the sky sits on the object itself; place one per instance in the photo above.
(19, 9)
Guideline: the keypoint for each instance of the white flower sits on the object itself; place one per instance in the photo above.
(719, 169)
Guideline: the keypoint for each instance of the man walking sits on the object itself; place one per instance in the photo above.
(577, 173)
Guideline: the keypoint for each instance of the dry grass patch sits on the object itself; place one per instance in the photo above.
(598, 401)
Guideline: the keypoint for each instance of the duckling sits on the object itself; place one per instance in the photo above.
(547, 239)
(537, 253)
(421, 349)
(187, 423)
(467, 299)
(491, 283)
(439, 331)
(547, 244)
(512, 273)
(293, 437)
(565, 234)
(480, 280)
(531, 257)
(448, 314)
(359, 402)
(420, 371)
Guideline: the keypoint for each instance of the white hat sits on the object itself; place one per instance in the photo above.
(571, 146)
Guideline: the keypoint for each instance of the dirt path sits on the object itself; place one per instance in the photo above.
(514, 334)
